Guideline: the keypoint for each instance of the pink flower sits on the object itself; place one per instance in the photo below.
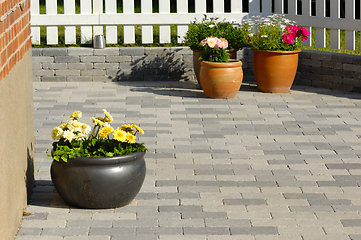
(288, 38)
(222, 43)
(211, 41)
(214, 42)
(304, 33)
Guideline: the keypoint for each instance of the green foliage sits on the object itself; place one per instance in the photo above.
(272, 42)
(64, 150)
(214, 55)
(266, 34)
(77, 139)
(197, 31)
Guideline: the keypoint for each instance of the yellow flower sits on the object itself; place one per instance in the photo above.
(127, 128)
(74, 126)
(131, 138)
(108, 117)
(76, 115)
(80, 136)
(138, 129)
(63, 126)
(85, 129)
(105, 131)
(57, 133)
(98, 121)
(68, 135)
(120, 135)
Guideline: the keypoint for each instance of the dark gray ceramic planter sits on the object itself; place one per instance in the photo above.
(107, 182)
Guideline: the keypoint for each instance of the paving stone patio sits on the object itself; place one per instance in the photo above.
(257, 167)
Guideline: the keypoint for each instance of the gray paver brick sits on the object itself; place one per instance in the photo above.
(206, 231)
(291, 157)
(254, 230)
(112, 231)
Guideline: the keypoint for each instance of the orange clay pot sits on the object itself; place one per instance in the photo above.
(275, 70)
(221, 80)
(197, 62)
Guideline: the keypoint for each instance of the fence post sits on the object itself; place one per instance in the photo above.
(182, 7)
(70, 31)
(350, 34)
(267, 7)
(335, 33)
(164, 30)
(85, 31)
(52, 31)
(321, 32)
(254, 7)
(236, 6)
(147, 30)
(35, 30)
(129, 32)
(279, 6)
(111, 31)
(292, 7)
(97, 9)
(306, 11)
(218, 6)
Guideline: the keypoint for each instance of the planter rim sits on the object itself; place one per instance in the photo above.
(273, 51)
(228, 50)
(103, 160)
(230, 64)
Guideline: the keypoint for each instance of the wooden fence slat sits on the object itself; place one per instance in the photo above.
(147, 30)
(129, 30)
(254, 6)
(306, 11)
(182, 7)
(218, 6)
(236, 6)
(279, 6)
(69, 31)
(292, 7)
(335, 33)
(164, 30)
(321, 32)
(111, 34)
(267, 7)
(350, 34)
(200, 6)
(98, 9)
(35, 30)
(51, 32)
(91, 18)
(86, 32)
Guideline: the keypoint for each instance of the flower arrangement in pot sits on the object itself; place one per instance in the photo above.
(217, 27)
(101, 167)
(220, 77)
(276, 43)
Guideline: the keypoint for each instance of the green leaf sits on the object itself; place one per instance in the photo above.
(64, 158)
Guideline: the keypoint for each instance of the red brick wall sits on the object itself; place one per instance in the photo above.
(15, 30)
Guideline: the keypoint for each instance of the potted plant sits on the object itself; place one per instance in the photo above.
(220, 77)
(101, 167)
(276, 43)
(217, 27)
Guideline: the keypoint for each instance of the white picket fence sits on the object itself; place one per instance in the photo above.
(93, 19)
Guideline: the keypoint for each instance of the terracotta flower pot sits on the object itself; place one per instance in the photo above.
(221, 80)
(197, 62)
(275, 71)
